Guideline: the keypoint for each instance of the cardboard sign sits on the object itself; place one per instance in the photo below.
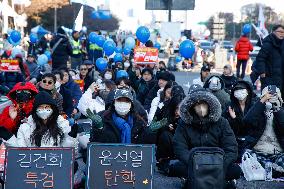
(2, 157)
(146, 55)
(81, 83)
(37, 168)
(120, 166)
(8, 65)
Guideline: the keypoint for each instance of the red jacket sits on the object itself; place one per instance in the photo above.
(243, 47)
(5, 119)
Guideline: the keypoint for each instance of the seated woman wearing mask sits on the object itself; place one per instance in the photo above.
(120, 123)
(44, 127)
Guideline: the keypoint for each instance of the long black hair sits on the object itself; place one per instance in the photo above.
(21, 65)
(51, 127)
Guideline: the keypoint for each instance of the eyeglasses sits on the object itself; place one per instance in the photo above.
(83, 69)
(49, 82)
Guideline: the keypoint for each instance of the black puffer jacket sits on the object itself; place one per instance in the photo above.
(140, 133)
(229, 81)
(237, 124)
(256, 120)
(270, 60)
(211, 131)
(144, 88)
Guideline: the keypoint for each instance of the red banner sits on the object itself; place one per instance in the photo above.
(8, 65)
(2, 157)
(146, 55)
(81, 83)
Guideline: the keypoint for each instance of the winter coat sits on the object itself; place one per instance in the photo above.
(144, 88)
(34, 69)
(5, 119)
(270, 60)
(25, 132)
(67, 100)
(210, 131)
(237, 124)
(229, 81)
(76, 92)
(62, 52)
(222, 95)
(243, 46)
(151, 95)
(87, 101)
(140, 133)
(10, 79)
(255, 120)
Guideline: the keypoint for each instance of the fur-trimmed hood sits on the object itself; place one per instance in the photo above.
(186, 110)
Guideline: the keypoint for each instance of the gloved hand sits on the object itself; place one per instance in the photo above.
(156, 125)
(96, 119)
(74, 131)
(5, 134)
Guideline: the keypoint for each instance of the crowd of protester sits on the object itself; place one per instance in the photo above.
(128, 103)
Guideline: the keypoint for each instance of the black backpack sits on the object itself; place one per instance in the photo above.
(206, 168)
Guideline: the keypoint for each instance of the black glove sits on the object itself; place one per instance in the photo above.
(5, 134)
(74, 131)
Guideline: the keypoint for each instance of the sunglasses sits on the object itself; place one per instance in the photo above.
(48, 82)
(82, 69)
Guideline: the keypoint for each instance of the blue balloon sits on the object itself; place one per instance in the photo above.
(187, 49)
(126, 51)
(118, 50)
(33, 38)
(130, 42)
(100, 40)
(92, 37)
(109, 47)
(143, 34)
(48, 54)
(121, 73)
(246, 29)
(15, 52)
(42, 60)
(101, 64)
(118, 57)
(15, 36)
(157, 45)
(178, 59)
(12, 42)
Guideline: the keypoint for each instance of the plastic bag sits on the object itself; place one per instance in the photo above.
(251, 168)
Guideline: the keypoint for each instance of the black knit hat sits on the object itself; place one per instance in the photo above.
(43, 98)
(167, 76)
(149, 70)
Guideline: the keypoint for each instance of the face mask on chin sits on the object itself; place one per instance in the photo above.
(122, 108)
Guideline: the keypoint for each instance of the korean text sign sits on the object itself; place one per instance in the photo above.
(145, 55)
(120, 166)
(8, 65)
(38, 168)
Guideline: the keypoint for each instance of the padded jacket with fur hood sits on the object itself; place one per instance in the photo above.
(210, 131)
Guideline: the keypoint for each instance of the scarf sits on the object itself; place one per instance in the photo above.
(124, 127)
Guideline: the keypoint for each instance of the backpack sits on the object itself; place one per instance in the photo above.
(206, 168)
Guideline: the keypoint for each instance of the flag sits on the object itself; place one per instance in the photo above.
(261, 23)
(79, 20)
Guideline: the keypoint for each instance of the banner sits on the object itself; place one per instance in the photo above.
(38, 168)
(8, 65)
(145, 55)
(2, 157)
(120, 166)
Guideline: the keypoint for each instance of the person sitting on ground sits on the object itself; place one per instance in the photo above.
(215, 84)
(203, 126)
(47, 84)
(22, 97)
(43, 128)
(266, 121)
(204, 73)
(229, 78)
(121, 123)
(242, 99)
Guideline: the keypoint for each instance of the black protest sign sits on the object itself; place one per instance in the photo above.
(120, 166)
(37, 168)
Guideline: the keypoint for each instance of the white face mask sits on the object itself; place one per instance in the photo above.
(214, 84)
(122, 108)
(201, 110)
(108, 76)
(126, 64)
(241, 94)
(57, 85)
(44, 113)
